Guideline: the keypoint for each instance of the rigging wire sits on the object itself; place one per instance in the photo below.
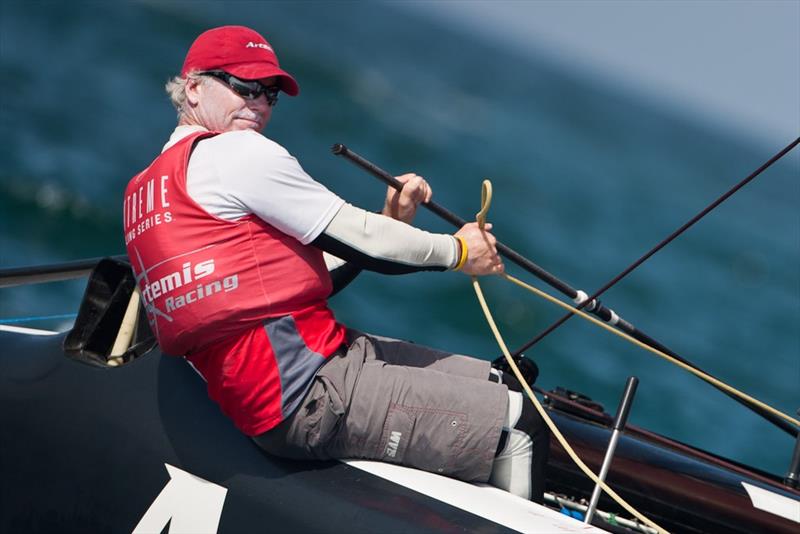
(658, 247)
(700, 374)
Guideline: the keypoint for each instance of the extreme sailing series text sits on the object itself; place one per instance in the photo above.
(146, 208)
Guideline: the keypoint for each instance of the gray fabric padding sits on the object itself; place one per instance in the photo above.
(297, 364)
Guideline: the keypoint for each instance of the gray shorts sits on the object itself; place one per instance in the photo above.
(398, 402)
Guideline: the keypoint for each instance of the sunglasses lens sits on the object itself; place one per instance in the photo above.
(249, 89)
(246, 89)
(272, 94)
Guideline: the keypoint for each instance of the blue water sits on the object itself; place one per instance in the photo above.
(586, 178)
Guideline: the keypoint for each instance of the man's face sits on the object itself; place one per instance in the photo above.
(218, 107)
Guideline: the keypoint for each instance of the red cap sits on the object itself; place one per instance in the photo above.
(239, 51)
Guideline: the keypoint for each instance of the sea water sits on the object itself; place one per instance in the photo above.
(586, 179)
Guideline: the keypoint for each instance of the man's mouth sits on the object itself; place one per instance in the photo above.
(252, 120)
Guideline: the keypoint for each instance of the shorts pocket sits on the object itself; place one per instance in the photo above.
(327, 415)
(426, 439)
(396, 435)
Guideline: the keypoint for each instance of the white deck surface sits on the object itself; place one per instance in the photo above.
(486, 501)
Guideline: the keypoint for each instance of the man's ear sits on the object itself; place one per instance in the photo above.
(193, 90)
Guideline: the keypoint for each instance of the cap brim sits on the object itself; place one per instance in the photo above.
(257, 71)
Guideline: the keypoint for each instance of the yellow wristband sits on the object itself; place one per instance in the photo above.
(464, 253)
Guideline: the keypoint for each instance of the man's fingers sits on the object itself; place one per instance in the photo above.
(402, 204)
(415, 190)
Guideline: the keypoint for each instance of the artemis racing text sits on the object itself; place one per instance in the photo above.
(229, 283)
(187, 275)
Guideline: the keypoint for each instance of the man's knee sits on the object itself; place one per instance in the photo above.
(521, 456)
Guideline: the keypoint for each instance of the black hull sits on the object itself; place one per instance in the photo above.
(680, 490)
(83, 448)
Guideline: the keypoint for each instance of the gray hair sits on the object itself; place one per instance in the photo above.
(176, 90)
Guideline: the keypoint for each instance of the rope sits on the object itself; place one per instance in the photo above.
(623, 335)
(486, 199)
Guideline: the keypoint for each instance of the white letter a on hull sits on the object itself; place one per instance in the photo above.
(194, 505)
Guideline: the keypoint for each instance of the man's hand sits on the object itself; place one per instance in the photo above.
(402, 205)
(482, 257)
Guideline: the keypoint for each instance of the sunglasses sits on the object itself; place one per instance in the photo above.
(249, 89)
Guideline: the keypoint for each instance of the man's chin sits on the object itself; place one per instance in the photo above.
(246, 124)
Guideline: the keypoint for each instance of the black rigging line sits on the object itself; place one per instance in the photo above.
(658, 247)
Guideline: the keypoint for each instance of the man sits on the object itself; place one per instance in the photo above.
(236, 250)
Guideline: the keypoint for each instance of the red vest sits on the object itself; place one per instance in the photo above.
(245, 303)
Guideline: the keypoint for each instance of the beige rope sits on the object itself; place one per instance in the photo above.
(486, 200)
(553, 428)
(623, 335)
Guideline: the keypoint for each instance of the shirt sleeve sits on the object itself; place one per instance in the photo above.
(262, 177)
(377, 243)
